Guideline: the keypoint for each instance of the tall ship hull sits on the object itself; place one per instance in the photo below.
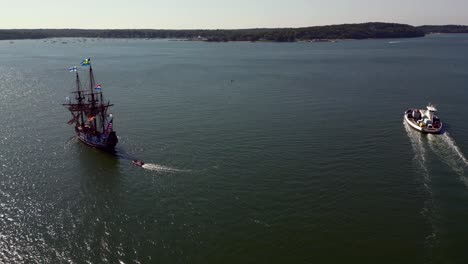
(102, 141)
(93, 124)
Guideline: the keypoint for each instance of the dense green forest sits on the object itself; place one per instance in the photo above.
(345, 31)
(444, 29)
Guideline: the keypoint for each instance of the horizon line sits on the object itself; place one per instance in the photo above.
(66, 28)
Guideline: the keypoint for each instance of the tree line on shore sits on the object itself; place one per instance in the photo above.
(444, 29)
(344, 31)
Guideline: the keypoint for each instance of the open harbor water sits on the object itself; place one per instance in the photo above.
(256, 152)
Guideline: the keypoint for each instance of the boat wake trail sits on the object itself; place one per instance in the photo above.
(445, 147)
(453, 146)
(447, 150)
(419, 150)
(122, 154)
(156, 167)
(429, 209)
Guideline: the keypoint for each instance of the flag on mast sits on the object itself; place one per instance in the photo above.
(109, 126)
(72, 69)
(86, 62)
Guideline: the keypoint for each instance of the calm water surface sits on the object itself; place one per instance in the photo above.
(301, 158)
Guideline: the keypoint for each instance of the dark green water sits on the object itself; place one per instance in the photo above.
(302, 158)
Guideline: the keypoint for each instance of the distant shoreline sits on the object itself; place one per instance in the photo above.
(332, 33)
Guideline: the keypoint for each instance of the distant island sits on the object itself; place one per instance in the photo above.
(444, 29)
(373, 30)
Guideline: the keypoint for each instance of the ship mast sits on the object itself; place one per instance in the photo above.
(77, 108)
(79, 98)
(97, 98)
(103, 112)
(93, 100)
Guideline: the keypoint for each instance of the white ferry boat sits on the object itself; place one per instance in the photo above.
(424, 120)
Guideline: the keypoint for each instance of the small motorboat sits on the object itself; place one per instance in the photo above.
(138, 163)
(424, 120)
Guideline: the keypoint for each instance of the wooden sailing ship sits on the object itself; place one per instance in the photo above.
(93, 123)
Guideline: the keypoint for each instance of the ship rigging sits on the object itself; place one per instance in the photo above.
(93, 124)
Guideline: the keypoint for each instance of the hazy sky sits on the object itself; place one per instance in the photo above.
(212, 14)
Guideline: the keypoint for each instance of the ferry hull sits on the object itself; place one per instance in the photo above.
(414, 125)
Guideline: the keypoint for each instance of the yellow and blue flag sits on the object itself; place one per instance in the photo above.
(86, 62)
